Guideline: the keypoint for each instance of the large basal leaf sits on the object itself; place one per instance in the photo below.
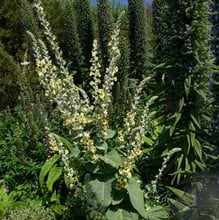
(102, 191)
(112, 158)
(47, 167)
(54, 175)
(157, 213)
(121, 214)
(136, 196)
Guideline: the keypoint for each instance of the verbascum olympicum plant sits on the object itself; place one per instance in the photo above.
(104, 159)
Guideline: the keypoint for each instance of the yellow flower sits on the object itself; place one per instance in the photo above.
(101, 93)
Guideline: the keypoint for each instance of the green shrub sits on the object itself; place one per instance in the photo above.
(34, 211)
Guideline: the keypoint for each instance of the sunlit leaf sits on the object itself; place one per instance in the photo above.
(47, 167)
(121, 214)
(136, 196)
(112, 158)
(102, 190)
(54, 175)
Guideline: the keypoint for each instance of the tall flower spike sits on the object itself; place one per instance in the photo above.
(50, 36)
(95, 73)
(112, 69)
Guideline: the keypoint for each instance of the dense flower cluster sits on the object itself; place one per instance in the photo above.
(133, 137)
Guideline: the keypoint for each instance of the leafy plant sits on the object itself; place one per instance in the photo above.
(98, 160)
(34, 210)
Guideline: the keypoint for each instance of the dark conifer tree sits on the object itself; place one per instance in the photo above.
(85, 28)
(137, 38)
(105, 27)
(29, 23)
(160, 29)
(72, 47)
(9, 75)
(12, 34)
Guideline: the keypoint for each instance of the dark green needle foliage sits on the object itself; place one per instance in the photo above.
(85, 28)
(105, 27)
(160, 31)
(29, 23)
(137, 38)
(72, 47)
(9, 74)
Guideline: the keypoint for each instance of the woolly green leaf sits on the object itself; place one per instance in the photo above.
(75, 152)
(121, 214)
(47, 167)
(54, 175)
(157, 213)
(110, 134)
(102, 191)
(136, 196)
(103, 147)
(112, 158)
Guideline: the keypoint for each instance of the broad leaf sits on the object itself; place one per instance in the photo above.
(136, 196)
(121, 214)
(110, 134)
(54, 175)
(157, 213)
(103, 147)
(102, 191)
(112, 158)
(47, 167)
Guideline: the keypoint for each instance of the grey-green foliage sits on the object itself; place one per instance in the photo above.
(186, 92)
(85, 28)
(105, 27)
(137, 38)
(34, 211)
